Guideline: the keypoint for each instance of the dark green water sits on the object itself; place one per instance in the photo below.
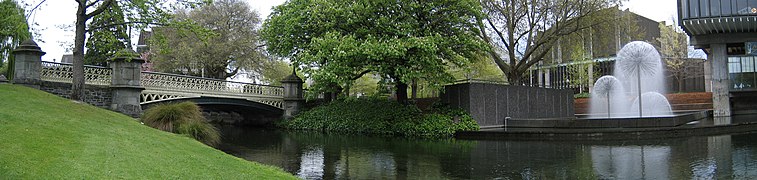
(311, 155)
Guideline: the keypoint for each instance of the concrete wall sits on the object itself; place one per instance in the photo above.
(100, 96)
(489, 104)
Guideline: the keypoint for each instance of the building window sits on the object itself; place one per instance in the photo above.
(704, 8)
(742, 73)
(715, 8)
(694, 8)
(725, 7)
(742, 6)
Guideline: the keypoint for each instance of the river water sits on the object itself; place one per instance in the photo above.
(313, 155)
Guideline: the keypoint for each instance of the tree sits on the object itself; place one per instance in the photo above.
(104, 42)
(275, 71)
(581, 71)
(141, 13)
(522, 31)
(13, 30)
(675, 53)
(231, 46)
(337, 42)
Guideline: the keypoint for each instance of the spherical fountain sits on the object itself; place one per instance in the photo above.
(637, 87)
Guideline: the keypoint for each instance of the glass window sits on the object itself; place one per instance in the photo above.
(704, 8)
(725, 7)
(742, 7)
(734, 64)
(694, 8)
(685, 9)
(747, 64)
(715, 8)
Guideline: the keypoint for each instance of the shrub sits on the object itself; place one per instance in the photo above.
(4, 69)
(201, 131)
(581, 95)
(380, 116)
(182, 118)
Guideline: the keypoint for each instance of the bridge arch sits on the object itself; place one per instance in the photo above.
(252, 112)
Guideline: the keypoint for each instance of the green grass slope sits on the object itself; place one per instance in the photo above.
(43, 136)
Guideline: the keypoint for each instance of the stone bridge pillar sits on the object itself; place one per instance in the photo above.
(126, 84)
(27, 64)
(293, 98)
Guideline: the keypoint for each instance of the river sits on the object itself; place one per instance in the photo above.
(314, 155)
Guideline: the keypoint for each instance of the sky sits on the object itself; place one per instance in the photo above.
(53, 15)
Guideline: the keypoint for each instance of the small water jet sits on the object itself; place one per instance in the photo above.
(638, 74)
(607, 90)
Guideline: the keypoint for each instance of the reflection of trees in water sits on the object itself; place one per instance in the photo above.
(339, 156)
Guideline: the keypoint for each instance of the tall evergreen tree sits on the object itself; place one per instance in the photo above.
(103, 43)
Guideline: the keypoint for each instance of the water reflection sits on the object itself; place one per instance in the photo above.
(330, 156)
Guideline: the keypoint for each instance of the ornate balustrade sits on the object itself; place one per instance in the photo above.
(163, 81)
(163, 86)
(63, 72)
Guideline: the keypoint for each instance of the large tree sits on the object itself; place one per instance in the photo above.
(232, 45)
(103, 43)
(13, 29)
(522, 32)
(675, 52)
(139, 14)
(338, 41)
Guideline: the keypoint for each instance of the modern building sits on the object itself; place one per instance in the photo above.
(727, 31)
(599, 45)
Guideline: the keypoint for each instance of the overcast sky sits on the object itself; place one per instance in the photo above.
(56, 13)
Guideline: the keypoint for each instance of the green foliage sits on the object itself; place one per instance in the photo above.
(227, 45)
(182, 118)
(48, 137)
(4, 69)
(336, 42)
(201, 131)
(582, 95)
(104, 41)
(482, 68)
(276, 71)
(13, 28)
(366, 85)
(381, 116)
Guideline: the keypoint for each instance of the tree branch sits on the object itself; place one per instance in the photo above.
(124, 23)
(99, 9)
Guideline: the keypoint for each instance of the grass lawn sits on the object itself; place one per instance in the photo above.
(43, 136)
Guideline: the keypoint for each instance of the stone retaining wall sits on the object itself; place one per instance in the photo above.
(100, 96)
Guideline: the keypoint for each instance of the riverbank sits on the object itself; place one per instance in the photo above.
(45, 136)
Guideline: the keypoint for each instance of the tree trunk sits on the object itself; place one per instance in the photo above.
(414, 88)
(77, 85)
(680, 84)
(401, 91)
(514, 78)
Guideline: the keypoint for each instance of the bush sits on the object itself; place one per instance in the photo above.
(581, 95)
(380, 116)
(182, 118)
(4, 69)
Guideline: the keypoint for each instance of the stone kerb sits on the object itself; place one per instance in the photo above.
(126, 84)
(293, 95)
(27, 65)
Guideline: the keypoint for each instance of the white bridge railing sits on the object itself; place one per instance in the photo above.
(63, 72)
(164, 86)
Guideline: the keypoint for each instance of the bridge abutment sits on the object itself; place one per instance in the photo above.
(126, 84)
(293, 95)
